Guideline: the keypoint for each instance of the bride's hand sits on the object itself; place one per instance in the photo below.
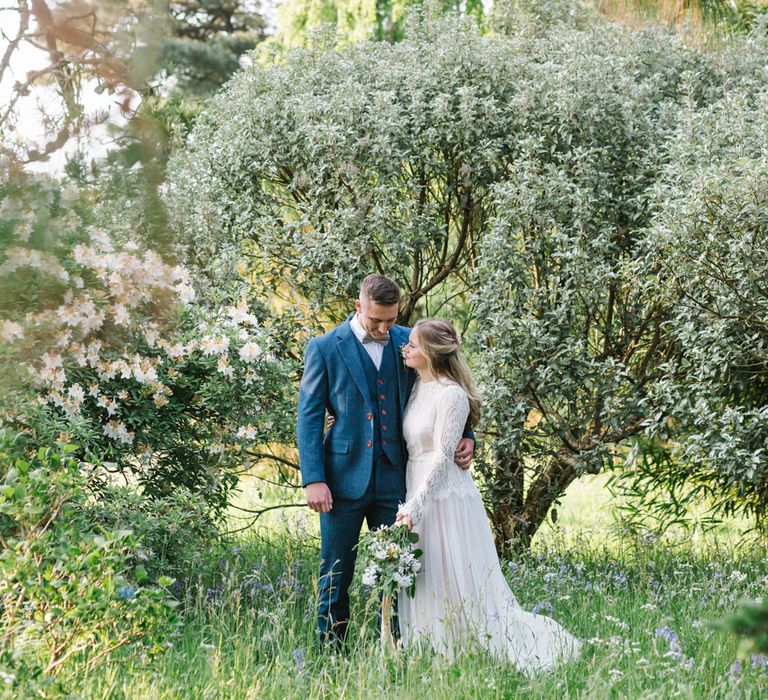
(404, 520)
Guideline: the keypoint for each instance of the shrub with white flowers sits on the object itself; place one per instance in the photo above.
(101, 346)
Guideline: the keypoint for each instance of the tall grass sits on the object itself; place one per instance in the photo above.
(249, 628)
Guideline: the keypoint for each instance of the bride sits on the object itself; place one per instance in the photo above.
(461, 598)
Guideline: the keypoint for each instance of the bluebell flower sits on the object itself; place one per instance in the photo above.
(759, 661)
(126, 592)
(299, 655)
(512, 566)
(668, 635)
(735, 670)
(543, 605)
(620, 578)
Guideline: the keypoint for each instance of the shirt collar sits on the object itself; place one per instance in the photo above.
(357, 328)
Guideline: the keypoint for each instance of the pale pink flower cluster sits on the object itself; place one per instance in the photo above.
(110, 292)
(116, 430)
(10, 331)
(215, 345)
(250, 352)
(18, 257)
(240, 316)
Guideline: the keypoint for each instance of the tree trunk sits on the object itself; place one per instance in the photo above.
(506, 494)
(516, 526)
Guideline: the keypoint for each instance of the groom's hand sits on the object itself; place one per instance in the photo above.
(464, 452)
(319, 497)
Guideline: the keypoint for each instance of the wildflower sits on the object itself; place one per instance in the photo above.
(159, 400)
(735, 670)
(667, 634)
(121, 315)
(116, 430)
(126, 593)
(298, 656)
(239, 314)
(759, 661)
(109, 404)
(543, 605)
(7, 678)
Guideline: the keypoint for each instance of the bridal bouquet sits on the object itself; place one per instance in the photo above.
(391, 562)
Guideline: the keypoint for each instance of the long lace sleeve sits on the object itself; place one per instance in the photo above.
(451, 417)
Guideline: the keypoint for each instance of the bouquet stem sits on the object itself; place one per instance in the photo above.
(387, 641)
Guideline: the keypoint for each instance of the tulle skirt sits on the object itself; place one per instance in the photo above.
(462, 599)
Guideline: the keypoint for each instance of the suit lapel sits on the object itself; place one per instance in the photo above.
(345, 344)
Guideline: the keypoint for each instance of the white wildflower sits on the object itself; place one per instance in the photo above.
(121, 315)
(23, 231)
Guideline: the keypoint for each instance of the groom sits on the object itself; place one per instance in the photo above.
(356, 471)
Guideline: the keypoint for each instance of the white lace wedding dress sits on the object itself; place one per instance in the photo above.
(462, 599)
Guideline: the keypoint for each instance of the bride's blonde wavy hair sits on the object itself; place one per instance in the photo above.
(439, 343)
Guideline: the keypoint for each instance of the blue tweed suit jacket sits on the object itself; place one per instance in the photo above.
(334, 380)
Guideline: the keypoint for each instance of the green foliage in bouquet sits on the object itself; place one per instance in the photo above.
(390, 559)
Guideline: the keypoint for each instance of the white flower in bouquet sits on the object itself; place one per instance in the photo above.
(390, 558)
(371, 575)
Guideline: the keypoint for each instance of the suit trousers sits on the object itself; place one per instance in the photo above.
(339, 535)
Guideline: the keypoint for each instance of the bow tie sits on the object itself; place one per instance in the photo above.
(370, 339)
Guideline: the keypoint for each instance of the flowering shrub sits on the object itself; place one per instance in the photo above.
(67, 589)
(99, 344)
(390, 559)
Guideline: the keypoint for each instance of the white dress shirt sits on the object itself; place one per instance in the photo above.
(375, 350)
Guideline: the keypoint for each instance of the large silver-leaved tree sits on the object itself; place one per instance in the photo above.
(505, 181)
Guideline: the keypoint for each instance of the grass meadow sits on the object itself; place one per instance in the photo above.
(644, 607)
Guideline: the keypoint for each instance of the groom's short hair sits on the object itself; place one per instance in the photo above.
(380, 289)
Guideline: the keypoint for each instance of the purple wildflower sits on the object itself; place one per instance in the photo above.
(543, 605)
(299, 655)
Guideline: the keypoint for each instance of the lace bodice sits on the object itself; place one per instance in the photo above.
(433, 424)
